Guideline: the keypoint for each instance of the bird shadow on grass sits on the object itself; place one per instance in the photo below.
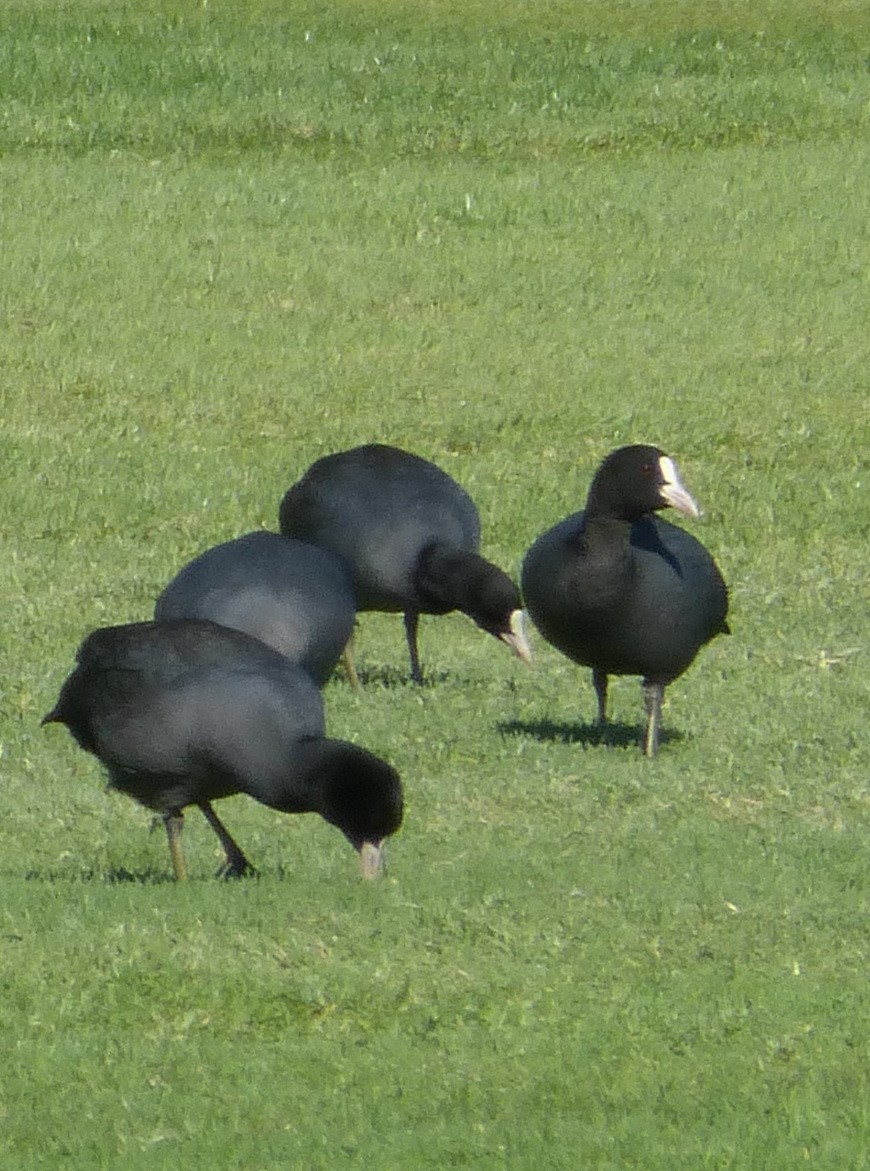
(392, 678)
(611, 735)
(155, 877)
(118, 874)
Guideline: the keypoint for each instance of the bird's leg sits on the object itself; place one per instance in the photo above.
(349, 666)
(173, 819)
(653, 694)
(599, 682)
(371, 856)
(412, 621)
(236, 863)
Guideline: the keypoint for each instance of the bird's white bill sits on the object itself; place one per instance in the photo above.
(516, 637)
(371, 858)
(673, 492)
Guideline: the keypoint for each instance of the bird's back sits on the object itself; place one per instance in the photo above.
(378, 509)
(117, 665)
(163, 649)
(291, 595)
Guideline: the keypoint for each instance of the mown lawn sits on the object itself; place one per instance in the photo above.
(508, 238)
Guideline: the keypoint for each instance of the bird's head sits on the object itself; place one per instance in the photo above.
(362, 796)
(636, 480)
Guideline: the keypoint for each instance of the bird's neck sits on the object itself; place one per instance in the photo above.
(607, 501)
(603, 565)
(601, 530)
(446, 577)
(301, 791)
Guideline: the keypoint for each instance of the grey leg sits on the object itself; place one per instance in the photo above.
(653, 694)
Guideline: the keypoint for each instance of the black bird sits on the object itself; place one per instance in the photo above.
(619, 590)
(293, 596)
(410, 538)
(184, 712)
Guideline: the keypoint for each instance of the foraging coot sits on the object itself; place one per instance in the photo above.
(410, 538)
(291, 595)
(621, 591)
(183, 712)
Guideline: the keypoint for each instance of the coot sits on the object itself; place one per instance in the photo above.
(184, 712)
(409, 536)
(620, 590)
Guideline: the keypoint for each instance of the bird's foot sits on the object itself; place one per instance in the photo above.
(237, 868)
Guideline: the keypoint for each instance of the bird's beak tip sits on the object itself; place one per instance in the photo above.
(516, 638)
(677, 497)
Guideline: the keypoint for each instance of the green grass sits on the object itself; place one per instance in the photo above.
(309, 78)
(509, 239)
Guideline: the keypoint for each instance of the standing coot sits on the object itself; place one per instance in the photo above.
(618, 590)
(184, 712)
(289, 594)
(409, 536)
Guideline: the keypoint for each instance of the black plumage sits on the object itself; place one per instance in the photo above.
(409, 536)
(184, 712)
(621, 591)
(291, 595)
